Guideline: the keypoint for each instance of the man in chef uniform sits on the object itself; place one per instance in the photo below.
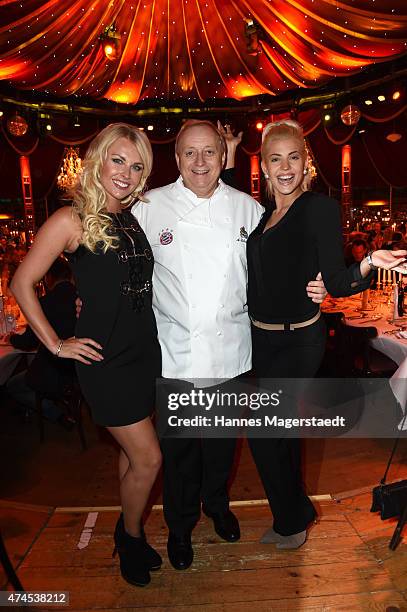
(197, 228)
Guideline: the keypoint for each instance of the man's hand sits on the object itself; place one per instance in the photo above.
(78, 304)
(232, 142)
(316, 289)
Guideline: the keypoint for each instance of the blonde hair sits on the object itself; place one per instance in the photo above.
(89, 196)
(190, 123)
(278, 130)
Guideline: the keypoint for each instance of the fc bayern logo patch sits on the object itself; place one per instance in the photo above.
(166, 236)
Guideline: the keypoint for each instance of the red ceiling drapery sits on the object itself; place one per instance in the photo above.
(193, 49)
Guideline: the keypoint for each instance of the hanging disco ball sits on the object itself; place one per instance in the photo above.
(17, 125)
(350, 115)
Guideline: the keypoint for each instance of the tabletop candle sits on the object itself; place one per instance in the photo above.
(395, 302)
(379, 270)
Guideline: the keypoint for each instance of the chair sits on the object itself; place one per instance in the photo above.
(8, 567)
(71, 403)
(328, 367)
(358, 357)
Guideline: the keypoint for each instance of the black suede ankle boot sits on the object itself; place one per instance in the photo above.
(147, 555)
(133, 567)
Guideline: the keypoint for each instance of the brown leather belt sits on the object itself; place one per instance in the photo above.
(286, 326)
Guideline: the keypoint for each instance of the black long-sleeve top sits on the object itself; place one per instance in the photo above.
(283, 259)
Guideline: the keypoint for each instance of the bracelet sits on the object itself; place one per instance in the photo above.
(370, 261)
(59, 348)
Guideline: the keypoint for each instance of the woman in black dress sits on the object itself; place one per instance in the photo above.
(300, 236)
(115, 347)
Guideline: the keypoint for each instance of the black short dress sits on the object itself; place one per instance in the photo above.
(115, 288)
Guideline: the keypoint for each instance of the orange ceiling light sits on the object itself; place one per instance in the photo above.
(192, 50)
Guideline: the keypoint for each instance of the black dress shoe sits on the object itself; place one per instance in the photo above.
(180, 552)
(226, 525)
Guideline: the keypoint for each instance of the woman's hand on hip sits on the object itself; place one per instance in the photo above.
(81, 349)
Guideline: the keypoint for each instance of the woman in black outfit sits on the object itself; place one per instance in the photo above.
(295, 240)
(116, 347)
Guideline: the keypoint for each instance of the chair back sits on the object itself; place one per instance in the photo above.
(355, 349)
(328, 367)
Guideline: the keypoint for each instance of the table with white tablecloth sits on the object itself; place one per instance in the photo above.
(379, 315)
(9, 359)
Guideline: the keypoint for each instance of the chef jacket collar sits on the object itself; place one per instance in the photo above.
(192, 197)
(198, 209)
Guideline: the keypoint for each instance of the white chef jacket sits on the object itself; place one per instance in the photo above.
(200, 278)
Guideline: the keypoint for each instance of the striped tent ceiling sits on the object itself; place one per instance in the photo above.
(180, 50)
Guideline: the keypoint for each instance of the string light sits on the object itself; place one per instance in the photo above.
(282, 47)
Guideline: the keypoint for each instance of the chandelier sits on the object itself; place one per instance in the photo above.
(311, 164)
(70, 169)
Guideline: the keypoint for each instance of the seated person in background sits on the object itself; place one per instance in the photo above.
(401, 227)
(377, 242)
(402, 244)
(395, 239)
(46, 373)
(375, 231)
(357, 253)
(387, 237)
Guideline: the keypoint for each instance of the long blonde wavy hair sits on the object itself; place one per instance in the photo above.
(89, 196)
(287, 128)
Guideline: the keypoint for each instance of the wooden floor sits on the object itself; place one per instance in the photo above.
(345, 564)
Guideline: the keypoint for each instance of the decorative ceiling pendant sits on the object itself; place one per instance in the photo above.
(350, 115)
(17, 125)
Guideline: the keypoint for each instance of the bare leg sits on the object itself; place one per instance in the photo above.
(139, 462)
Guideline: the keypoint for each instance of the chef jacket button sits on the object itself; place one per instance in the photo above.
(222, 305)
(196, 334)
(219, 333)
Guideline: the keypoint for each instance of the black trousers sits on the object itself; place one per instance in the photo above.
(194, 470)
(285, 354)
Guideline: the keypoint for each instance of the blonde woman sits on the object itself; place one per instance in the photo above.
(115, 346)
(295, 239)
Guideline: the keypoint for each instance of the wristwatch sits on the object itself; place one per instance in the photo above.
(370, 261)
